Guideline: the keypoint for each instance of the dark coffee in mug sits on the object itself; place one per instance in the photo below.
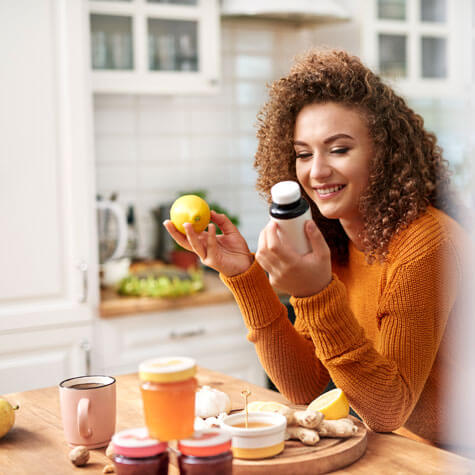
(86, 385)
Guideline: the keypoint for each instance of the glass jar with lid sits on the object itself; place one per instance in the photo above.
(135, 452)
(168, 389)
(208, 451)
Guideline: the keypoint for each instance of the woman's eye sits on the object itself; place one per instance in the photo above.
(304, 155)
(340, 150)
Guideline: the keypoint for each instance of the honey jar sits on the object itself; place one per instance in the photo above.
(207, 452)
(263, 437)
(135, 452)
(168, 389)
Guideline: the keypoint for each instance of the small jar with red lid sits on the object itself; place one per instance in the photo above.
(136, 453)
(208, 451)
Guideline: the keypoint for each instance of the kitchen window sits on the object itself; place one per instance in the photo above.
(418, 44)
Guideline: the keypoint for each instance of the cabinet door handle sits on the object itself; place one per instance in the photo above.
(85, 346)
(186, 334)
(82, 266)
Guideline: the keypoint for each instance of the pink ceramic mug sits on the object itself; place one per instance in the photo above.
(88, 409)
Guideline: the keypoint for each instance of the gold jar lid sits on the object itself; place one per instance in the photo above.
(167, 369)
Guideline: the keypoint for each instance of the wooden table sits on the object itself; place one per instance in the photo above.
(36, 444)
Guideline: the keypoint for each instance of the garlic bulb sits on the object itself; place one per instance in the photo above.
(210, 402)
(209, 422)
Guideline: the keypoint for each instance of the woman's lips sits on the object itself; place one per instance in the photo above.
(328, 192)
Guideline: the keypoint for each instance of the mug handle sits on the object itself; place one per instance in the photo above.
(83, 426)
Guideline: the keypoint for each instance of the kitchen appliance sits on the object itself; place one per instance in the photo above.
(112, 230)
(164, 242)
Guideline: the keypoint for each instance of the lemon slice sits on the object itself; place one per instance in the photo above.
(254, 406)
(265, 406)
(332, 404)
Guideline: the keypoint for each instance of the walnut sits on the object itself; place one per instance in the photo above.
(79, 456)
(108, 469)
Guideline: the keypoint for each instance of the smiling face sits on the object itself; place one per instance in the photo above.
(333, 151)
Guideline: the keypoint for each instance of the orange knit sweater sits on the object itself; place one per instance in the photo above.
(378, 330)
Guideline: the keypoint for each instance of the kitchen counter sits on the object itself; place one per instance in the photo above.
(36, 444)
(114, 305)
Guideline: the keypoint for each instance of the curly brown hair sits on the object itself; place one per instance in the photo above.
(407, 172)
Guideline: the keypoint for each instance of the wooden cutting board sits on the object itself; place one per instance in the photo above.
(298, 459)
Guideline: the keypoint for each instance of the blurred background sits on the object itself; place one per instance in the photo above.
(149, 147)
(113, 108)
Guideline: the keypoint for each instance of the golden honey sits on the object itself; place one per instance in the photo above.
(168, 396)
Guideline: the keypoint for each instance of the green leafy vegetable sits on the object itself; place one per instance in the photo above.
(161, 285)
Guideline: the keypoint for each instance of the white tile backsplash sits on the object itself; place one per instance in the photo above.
(209, 149)
(116, 148)
(251, 226)
(246, 147)
(249, 93)
(251, 201)
(253, 67)
(247, 175)
(227, 39)
(256, 38)
(116, 177)
(151, 147)
(228, 66)
(204, 120)
(162, 176)
(161, 117)
(162, 149)
(246, 118)
(115, 120)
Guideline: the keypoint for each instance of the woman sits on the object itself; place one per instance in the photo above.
(373, 297)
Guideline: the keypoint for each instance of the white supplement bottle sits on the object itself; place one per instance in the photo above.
(290, 211)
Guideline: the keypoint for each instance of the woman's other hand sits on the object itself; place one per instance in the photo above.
(290, 272)
(227, 253)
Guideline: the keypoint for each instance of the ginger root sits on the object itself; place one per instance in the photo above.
(337, 428)
(311, 425)
(306, 436)
(307, 419)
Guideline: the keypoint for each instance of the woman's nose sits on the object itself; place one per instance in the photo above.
(320, 168)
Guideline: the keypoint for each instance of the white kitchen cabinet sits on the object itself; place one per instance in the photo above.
(38, 358)
(47, 246)
(422, 46)
(214, 335)
(154, 46)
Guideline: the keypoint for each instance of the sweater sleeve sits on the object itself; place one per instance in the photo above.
(384, 381)
(285, 351)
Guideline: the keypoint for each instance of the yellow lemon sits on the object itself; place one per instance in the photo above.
(7, 416)
(190, 209)
(254, 406)
(332, 404)
(266, 406)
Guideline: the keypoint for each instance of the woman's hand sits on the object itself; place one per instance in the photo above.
(227, 253)
(290, 272)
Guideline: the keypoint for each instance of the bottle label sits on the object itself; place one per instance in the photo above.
(292, 231)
